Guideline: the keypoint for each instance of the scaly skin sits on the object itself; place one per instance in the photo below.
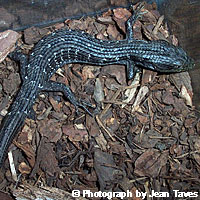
(67, 46)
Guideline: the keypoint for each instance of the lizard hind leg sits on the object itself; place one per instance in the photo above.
(18, 56)
(60, 87)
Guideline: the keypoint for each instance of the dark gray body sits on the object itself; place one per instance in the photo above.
(67, 46)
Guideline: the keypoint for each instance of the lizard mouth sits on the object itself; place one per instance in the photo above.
(188, 64)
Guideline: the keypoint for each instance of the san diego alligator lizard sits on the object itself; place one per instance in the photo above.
(70, 46)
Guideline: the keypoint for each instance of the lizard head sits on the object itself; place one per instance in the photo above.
(170, 58)
(180, 61)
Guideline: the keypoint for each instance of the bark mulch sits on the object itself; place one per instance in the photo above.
(144, 136)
